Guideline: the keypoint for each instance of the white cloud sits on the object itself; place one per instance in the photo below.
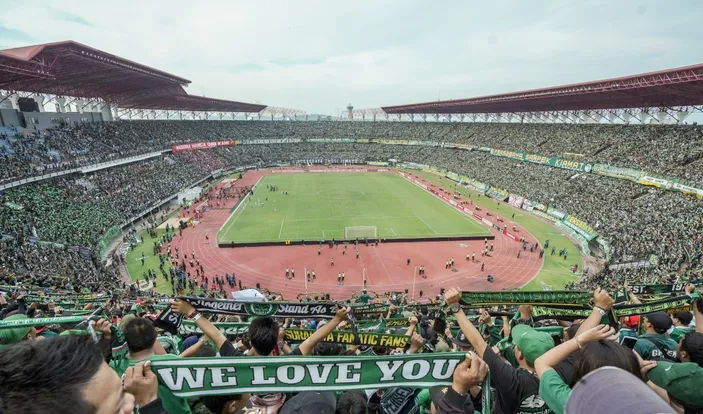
(319, 55)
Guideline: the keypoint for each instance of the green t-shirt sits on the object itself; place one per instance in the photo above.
(171, 403)
(655, 346)
(679, 332)
(363, 298)
(554, 391)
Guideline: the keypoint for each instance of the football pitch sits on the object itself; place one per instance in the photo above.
(329, 206)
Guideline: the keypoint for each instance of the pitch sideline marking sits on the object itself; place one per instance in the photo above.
(425, 223)
(243, 202)
(281, 229)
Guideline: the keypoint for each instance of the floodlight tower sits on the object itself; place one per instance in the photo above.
(350, 112)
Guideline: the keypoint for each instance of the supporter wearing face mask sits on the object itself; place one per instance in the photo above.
(67, 375)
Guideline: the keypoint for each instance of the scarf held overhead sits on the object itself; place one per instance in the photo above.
(527, 298)
(170, 320)
(196, 377)
(348, 338)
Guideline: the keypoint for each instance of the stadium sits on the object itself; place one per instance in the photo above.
(116, 185)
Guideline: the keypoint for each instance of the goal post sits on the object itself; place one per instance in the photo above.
(360, 232)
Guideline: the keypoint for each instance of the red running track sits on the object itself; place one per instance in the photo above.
(386, 265)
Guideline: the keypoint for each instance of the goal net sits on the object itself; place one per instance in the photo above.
(360, 232)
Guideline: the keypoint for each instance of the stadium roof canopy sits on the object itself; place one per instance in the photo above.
(73, 69)
(664, 89)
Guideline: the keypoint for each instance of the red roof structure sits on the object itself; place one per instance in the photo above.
(73, 69)
(664, 89)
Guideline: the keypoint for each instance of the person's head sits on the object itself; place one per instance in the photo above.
(530, 344)
(601, 391)
(263, 335)
(327, 349)
(681, 381)
(603, 353)
(657, 322)
(10, 336)
(570, 332)
(351, 402)
(630, 321)
(682, 318)
(462, 342)
(310, 402)
(35, 375)
(690, 348)
(140, 334)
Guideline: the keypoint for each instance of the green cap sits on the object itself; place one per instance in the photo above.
(13, 335)
(532, 343)
(683, 381)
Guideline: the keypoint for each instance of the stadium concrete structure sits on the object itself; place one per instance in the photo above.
(89, 85)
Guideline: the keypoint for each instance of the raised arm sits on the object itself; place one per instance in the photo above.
(602, 303)
(689, 289)
(452, 297)
(187, 310)
(307, 346)
(559, 353)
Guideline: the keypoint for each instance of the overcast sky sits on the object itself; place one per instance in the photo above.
(321, 55)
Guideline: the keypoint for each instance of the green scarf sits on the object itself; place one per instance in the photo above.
(527, 298)
(347, 338)
(196, 377)
(16, 323)
(189, 327)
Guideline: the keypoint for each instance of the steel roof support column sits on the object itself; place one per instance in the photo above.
(646, 114)
(682, 114)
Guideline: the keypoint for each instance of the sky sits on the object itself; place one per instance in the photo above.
(319, 56)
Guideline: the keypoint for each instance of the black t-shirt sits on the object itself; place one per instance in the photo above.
(227, 349)
(516, 389)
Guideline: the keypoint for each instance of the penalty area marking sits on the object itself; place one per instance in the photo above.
(281, 229)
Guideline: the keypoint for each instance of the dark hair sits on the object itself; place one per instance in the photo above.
(599, 354)
(263, 334)
(34, 375)
(327, 349)
(139, 334)
(381, 350)
(440, 325)
(351, 402)
(692, 344)
(571, 330)
(684, 317)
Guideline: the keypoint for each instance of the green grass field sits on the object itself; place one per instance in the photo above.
(555, 272)
(320, 206)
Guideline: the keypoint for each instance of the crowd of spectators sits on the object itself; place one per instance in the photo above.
(671, 150)
(637, 364)
(639, 222)
(69, 268)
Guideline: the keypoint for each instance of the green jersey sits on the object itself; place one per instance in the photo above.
(655, 346)
(679, 332)
(171, 403)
